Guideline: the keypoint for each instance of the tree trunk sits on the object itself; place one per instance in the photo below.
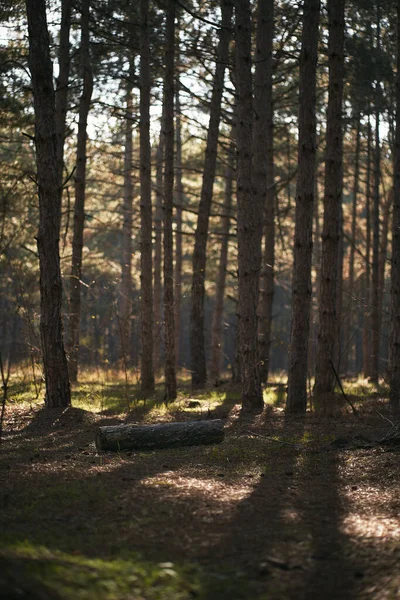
(47, 160)
(178, 221)
(197, 350)
(394, 380)
(158, 226)
(264, 171)
(80, 189)
(125, 310)
(250, 218)
(146, 258)
(163, 435)
(367, 276)
(170, 373)
(62, 83)
(375, 315)
(305, 192)
(216, 331)
(328, 326)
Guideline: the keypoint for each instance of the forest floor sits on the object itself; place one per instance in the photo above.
(283, 508)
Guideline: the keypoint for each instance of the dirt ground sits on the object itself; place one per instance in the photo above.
(295, 508)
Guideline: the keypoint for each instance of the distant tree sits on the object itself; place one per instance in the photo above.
(47, 160)
(305, 192)
(328, 325)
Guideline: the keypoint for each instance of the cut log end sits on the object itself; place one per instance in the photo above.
(119, 438)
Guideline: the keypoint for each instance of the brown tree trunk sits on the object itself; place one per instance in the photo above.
(367, 275)
(125, 310)
(328, 326)
(394, 379)
(47, 161)
(197, 350)
(146, 258)
(375, 292)
(250, 218)
(216, 331)
(178, 221)
(62, 83)
(170, 373)
(158, 226)
(305, 191)
(80, 189)
(264, 171)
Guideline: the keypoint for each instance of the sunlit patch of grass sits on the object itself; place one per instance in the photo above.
(76, 576)
(364, 389)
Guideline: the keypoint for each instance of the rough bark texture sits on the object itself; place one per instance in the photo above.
(250, 218)
(375, 292)
(146, 222)
(263, 175)
(158, 226)
(125, 310)
(216, 331)
(178, 221)
(170, 373)
(162, 435)
(305, 191)
(62, 83)
(197, 350)
(327, 334)
(80, 190)
(54, 359)
(395, 290)
(367, 276)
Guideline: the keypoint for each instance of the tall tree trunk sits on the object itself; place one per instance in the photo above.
(80, 189)
(170, 372)
(250, 218)
(197, 350)
(146, 258)
(367, 275)
(62, 83)
(47, 161)
(125, 310)
(375, 314)
(216, 331)
(328, 326)
(264, 170)
(158, 226)
(305, 191)
(178, 221)
(349, 315)
(394, 380)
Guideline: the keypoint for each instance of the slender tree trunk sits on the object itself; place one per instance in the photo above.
(250, 218)
(170, 373)
(47, 161)
(216, 331)
(328, 326)
(395, 290)
(62, 83)
(264, 170)
(305, 191)
(349, 315)
(80, 189)
(197, 350)
(146, 258)
(383, 248)
(125, 311)
(367, 277)
(375, 292)
(158, 226)
(178, 221)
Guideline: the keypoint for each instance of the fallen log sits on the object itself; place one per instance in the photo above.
(163, 435)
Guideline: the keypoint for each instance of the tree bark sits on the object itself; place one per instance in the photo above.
(170, 372)
(146, 258)
(367, 275)
(216, 330)
(197, 350)
(328, 327)
(158, 226)
(250, 218)
(394, 373)
(163, 435)
(264, 171)
(305, 192)
(62, 83)
(178, 221)
(80, 191)
(47, 161)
